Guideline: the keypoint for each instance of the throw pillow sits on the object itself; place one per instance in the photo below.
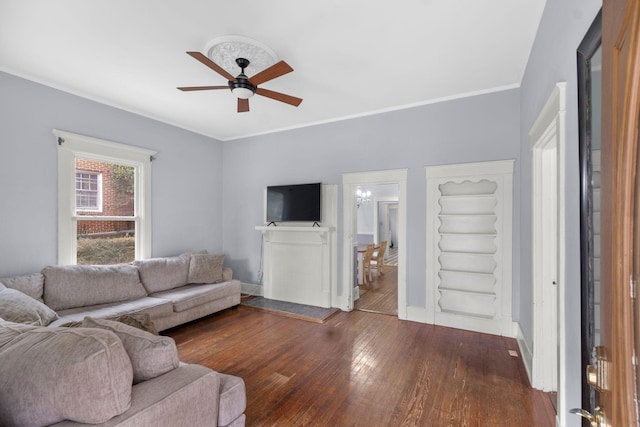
(150, 355)
(205, 268)
(141, 321)
(20, 308)
(161, 274)
(55, 374)
(30, 284)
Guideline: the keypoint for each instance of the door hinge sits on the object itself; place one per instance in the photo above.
(598, 374)
(633, 286)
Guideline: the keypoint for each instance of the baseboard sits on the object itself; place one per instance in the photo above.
(251, 289)
(525, 351)
(419, 314)
(356, 293)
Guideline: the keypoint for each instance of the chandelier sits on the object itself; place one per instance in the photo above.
(362, 197)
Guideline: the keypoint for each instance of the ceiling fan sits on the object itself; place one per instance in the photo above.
(244, 87)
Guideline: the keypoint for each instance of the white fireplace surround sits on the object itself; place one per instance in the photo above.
(300, 259)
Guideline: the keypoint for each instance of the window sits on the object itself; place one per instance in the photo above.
(104, 205)
(88, 191)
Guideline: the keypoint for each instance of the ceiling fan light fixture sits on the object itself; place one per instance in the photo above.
(242, 89)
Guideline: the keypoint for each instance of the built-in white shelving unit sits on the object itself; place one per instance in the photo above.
(469, 246)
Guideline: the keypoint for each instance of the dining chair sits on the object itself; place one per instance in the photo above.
(366, 263)
(377, 259)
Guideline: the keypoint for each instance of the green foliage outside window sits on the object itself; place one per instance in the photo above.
(123, 179)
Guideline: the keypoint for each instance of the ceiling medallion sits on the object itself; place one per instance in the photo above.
(225, 50)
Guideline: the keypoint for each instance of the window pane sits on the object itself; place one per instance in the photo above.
(106, 242)
(88, 191)
(104, 188)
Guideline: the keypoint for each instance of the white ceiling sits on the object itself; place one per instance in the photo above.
(350, 58)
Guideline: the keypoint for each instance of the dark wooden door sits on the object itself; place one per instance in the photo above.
(620, 251)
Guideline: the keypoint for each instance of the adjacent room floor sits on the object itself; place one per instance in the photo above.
(381, 294)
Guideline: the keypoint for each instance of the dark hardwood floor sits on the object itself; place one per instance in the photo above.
(365, 369)
(381, 294)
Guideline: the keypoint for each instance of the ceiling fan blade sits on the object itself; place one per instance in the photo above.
(209, 63)
(279, 96)
(276, 70)
(189, 88)
(243, 105)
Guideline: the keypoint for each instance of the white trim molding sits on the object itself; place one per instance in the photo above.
(350, 182)
(525, 351)
(548, 151)
(72, 146)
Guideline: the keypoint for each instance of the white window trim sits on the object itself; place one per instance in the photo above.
(71, 146)
(98, 207)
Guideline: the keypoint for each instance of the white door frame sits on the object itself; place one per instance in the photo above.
(350, 182)
(547, 137)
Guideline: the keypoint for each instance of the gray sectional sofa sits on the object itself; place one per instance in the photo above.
(170, 290)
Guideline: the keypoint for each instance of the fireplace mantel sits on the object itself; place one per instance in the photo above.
(297, 264)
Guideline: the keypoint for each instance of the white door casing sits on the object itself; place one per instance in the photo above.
(547, 136)
(350, 182)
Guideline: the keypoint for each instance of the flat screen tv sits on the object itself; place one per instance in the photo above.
(299, 202)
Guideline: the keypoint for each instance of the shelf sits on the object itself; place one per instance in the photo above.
(478, 273)
(469, 196)
(470, 215)
(466, 292)
(448, 233)
(303, 229)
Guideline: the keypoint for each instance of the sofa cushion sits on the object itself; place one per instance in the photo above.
(10, 330)
(233, 399)
(18, 307)
(30, 284)
(184, 397)
(160, 274)
(190, 296)
(155, 307)
(150, 355)
(205, 268)
(140, 321)
(51, 374)
(73, 286)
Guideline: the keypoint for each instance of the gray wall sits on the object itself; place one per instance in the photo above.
(186, 175)
(553, 59)
(473, 129)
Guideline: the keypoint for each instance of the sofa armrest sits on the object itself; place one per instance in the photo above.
(187, 395)
(227, 274)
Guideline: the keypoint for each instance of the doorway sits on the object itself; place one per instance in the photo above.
(378, 292)
(386, 218)
(351, 182)
(547, 137)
